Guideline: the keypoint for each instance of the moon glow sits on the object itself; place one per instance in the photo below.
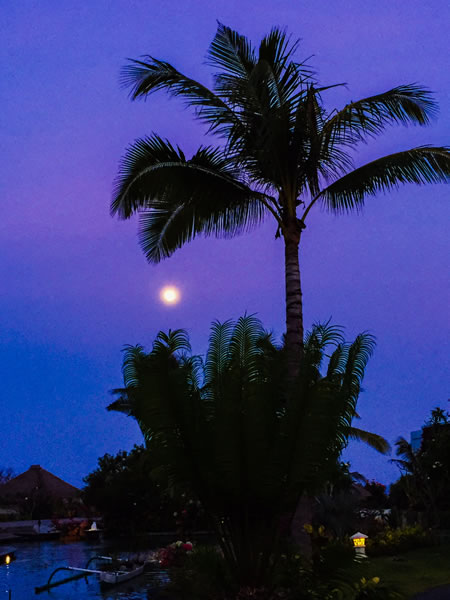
(170, 295)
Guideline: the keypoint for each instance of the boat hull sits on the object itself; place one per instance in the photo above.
(109, 578)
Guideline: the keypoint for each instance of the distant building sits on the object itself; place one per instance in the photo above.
(38, 493)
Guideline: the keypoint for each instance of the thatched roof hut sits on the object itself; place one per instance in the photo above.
(37, 481)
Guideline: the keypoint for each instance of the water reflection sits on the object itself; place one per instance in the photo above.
(35, 562)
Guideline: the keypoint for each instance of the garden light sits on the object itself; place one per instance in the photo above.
(7, 555)
(359, 543)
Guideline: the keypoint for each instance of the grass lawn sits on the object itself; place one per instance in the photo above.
(415, 571)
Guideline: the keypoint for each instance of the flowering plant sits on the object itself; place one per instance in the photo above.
(401, 539)
(174, 554)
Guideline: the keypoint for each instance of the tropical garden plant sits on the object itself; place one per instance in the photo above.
(122, 490)
(399, 540)
(425, 482)
(280, 154)
(416, 482)
(228, 428)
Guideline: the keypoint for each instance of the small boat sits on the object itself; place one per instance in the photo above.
(108, 578)
(7, 554)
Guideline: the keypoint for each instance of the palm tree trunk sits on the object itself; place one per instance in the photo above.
(294, 304)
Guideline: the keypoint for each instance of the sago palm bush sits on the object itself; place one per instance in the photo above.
(227, 427)
(280, 154)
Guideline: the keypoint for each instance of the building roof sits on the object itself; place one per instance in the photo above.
(38, 480)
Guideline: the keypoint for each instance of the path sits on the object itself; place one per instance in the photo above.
(439, 593)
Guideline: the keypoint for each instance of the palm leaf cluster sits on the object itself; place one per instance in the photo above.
(279, 146)
(227, 427)
(425, 479)
(279, 152)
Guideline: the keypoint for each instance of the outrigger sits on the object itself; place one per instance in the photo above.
(106, 577)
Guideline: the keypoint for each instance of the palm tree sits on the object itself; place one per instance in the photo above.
(281, 154)
(417, 482)
(438, 417)
(224, 429)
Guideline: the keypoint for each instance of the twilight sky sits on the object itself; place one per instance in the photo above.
(74, 285)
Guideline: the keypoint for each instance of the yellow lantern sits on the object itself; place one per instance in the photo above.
(359, 543)
(7, 559)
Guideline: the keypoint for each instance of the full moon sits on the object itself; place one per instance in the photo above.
(170, 295)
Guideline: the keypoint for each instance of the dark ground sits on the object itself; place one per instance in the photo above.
(439, 593)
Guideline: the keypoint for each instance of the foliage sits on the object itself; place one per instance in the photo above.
(341, 508)
(122, 490)
(425, 481)
(438, 417)
(337, 513)
(371, 589)
(280, 153)
(6, 474)
(396, 541)
(231, 429)
(203, 576)
(399, 493)
(415, 483)
(174, 555)
(434, 457)
(280, 143)
(378, 497)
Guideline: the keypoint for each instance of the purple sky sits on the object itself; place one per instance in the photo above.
(74, 284)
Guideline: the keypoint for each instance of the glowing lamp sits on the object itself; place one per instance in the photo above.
(359, 543)
(7, 559)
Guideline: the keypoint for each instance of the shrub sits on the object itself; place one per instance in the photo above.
(392, 541)
(201, 575)
(174, 555)
(369, 589)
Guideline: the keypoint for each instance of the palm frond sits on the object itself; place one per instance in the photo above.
(288, 76)
(145, 77)
(231, 52)
(145, 155)
(174, 342)
(338, 361)
(404, 465)
(324, 334)
(359, 353)
(404, 449)
(244, 348)
(182, 198)
(123, 402)
(403, 104)
(421, 165)
(217, 358)
(194, 367)
(317, 340)
(133, 358)
(375, 441)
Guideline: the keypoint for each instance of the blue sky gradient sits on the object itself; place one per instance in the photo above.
(74, 285)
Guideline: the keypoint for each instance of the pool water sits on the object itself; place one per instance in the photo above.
(35, 562)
